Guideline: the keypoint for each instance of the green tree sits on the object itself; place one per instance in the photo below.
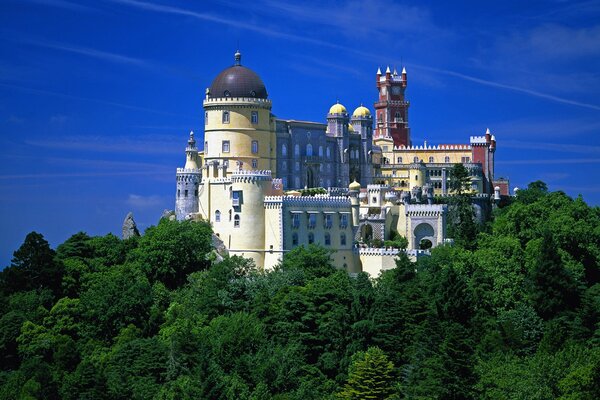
(461, 216)
(315, 261)
(370, 376)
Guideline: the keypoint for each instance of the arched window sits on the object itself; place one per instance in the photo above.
(416, 159)
(254, 146)
(284, 165)
(328, 152)
(217, 216)
(311, 238)
(297, 150)
(399, 160)
(309, 150)
(206, 118)
(447, 159)
(294, 239)
(430, 159)
(320, 151)
(397, 116)
(236, 221)
(343, 239)
(284, 150)
(229, 215)
(327, 239)
(225, 117)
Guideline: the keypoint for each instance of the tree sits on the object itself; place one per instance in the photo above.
(370, 376)
(461, 217)
(32, 267)
(315, 261)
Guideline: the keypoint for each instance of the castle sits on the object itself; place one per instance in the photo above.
(246, 178)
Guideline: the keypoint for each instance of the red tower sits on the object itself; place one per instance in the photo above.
(391, 110)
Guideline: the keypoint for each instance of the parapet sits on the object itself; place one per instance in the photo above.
(425, 209)
(440, 147)
(317, 200)
(244, 175)
(189, 171)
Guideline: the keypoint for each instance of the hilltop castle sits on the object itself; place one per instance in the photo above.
(244, 181)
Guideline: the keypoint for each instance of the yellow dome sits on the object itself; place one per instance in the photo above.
(354, 186)
(337, 108)
(361, 112)
(350, 128)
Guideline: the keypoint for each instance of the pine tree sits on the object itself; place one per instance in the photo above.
(370, 376)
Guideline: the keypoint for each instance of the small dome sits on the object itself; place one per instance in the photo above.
(238, 81)
(361, 111)
(350, 128)
(337, 108)
(354, 186)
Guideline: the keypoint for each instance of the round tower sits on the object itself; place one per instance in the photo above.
(188, 182)
(248, 213)
(353, 192)
(239, 129)
(417, 175)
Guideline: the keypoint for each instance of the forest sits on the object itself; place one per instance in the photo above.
(511, 311)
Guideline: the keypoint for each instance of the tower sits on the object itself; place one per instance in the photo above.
(483, 149)
(337, 126)
(239, 131)
(362, 121)
(188, 182)
(391, 109)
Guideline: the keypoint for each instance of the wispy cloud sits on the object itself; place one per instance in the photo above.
(139, 201)
(90, 52)
(146, 144)
(558, 147)
(550, 161)
(99, 101)
(64, 4)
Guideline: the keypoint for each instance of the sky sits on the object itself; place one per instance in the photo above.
(97, 98)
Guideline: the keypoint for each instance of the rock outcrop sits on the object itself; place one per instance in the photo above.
(168, 214)
(129, 227)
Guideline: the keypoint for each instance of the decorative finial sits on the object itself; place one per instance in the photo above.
(387, 71)
(191, 134)
(404, 70)
(395, 71)
(487, 132)
(238, 58)
(378, 71)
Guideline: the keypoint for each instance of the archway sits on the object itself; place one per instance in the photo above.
(366, 233)
(424, 232)
(310, 178)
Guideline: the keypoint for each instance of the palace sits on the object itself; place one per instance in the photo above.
(376, 183)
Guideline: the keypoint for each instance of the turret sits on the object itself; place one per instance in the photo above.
(188, 182)
(404, 80)
(353, 193)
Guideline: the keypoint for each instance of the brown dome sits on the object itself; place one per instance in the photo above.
(238, 81)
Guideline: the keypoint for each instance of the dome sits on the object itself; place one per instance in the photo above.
(354, 186)
(361, 111)
(337, 108)
(350, 128)
(238, 81)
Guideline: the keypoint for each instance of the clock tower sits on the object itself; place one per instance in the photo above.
(391, 110)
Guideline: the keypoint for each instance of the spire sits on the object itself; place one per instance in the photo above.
(378, 71)
(403, 70)
(387, 71)
(191, 141)
(487, 132)
(395, 71)
(238, 58)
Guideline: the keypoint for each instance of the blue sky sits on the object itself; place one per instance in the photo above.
(97, 98)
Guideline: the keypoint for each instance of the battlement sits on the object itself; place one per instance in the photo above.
(242, 101)
(243, 175)
(425, 209)
(478, 140)
(189, 171)
(317, 200)
(454, 147)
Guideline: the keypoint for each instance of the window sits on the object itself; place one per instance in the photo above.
(284, 150)
(236, 221)
(206, 118)
(309, 150)
(320, 151)
(254, 117)
(328, 152)
(399, 161)
(185, 193)
(385, 148)
(254, 146)
(328, 221)
(295, 221)
(297, 182)
(229, 215)
(178, 192)
(297, 166)
(327, 239)
(294, 239)
(344, 220)
(225, 146)
(297, 150)
(430, 159)
(217, 216)
(225, 117)
(465, 159)
(343, 239)
(254, 163)
(312, 221)
(205, 147)
(311, 238)
(397, 117)
(284, 165)
(416, 159)
(235, 198)
(447, 159)
(374, 200)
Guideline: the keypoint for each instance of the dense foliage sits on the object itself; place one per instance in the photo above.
(511, 313)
